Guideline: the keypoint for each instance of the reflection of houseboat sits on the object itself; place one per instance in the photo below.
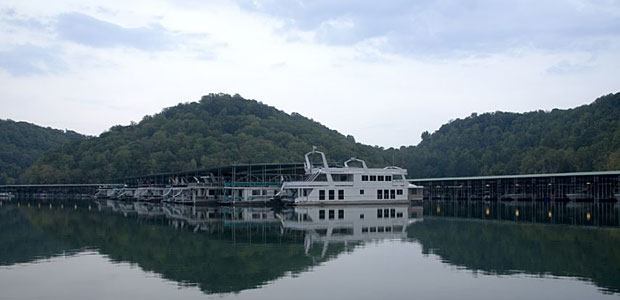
(350, 223)
(349, 184)
(148, 210)
(232, 215)
(196, 217)
(191, 194)
(149, 194)
(123, 207)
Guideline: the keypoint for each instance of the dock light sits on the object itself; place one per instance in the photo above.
(19, 204)
(75, 207)
(50, 206)
(438, 209)
(516, 212)
(588, 183)
(588, 216)
(28, 204)
(549, 214)
(62, 206)
(487, 211)
(89, 207)
(39, 205)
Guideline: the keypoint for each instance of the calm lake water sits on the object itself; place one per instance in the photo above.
(122, 250)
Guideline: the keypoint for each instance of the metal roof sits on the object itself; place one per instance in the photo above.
(493, 177)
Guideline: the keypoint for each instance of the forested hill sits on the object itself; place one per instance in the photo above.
(22, 143)
(586, 138)
(219, 129)
(222, 129)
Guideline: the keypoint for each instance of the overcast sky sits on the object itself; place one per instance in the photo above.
(382, 71)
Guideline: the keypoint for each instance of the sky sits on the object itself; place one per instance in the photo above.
(382, 71)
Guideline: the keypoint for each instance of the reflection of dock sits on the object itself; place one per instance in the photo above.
(568, 213)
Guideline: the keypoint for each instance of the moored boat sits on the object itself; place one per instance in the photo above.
(350, 184)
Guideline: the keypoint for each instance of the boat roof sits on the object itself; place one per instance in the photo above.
(596, 173)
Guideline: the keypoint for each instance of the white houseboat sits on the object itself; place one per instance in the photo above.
(349, 184)
(149, 193)
(198, 193)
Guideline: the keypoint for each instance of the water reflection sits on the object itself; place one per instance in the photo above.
(232, 249)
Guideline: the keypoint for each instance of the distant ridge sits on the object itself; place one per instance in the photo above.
(586, 138)
(22, 143)
(223, 129)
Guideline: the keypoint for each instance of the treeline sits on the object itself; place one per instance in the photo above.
(221, 129)
(22, 143)
(585, 138)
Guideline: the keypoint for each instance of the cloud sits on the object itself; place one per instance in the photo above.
(452, 27)
(89, 31)
(24, 60)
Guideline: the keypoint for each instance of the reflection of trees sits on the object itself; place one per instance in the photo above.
(506, 248)
(223, 259)
(20, 242)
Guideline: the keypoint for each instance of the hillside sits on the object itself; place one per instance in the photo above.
(585, 138)
(22, 143)
(222, 129)
(219, 129)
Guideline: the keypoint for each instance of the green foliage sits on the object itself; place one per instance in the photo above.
(22, 143)
(219, 130)
(585, 138)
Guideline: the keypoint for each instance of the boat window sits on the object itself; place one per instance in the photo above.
(342, 177)
(397, 177)
(331, 195)
(306, 192)
(255, 192)
(361, 216)
(255, 216)
(388, 229)
(373, 229)
(361, 192)
(386, 194)
(321, 194)
(342, 231)
(364, 229)
(380, 229)
(386, 213)
(399, 214)
(380, 178)
(340, 194)
(399, 192)
(364, 177)
(392, 194)
(341, 214)
(373, 178)
(321, 214)
(379, 213)
(392, 213)
(379, 194)
(398, 228)
(211, 192)
(331, 214)
(388, 178)
(321, 177)
(321, 232)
